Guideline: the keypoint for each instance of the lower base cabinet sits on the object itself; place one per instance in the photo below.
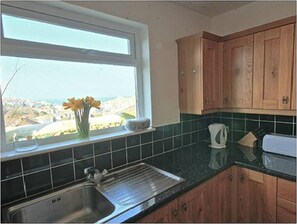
(286, 201)
(235, 195)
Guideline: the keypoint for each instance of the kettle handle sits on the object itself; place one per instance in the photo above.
(225, 132)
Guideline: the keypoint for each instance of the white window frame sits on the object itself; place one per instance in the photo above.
(110, 26)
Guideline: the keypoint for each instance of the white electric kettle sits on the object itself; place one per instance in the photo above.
(218, 135)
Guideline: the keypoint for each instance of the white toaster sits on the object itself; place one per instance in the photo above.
(280, 144)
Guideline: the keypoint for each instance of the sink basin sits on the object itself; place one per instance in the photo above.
(80, 203)
(90, 203)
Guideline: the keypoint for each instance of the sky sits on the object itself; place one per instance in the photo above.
(49, 79)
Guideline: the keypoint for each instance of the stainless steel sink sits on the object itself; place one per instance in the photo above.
(80, 203)
(87, 202)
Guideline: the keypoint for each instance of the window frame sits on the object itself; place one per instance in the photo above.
(50, 14)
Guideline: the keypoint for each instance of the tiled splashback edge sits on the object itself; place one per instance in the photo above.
(240, 124)
(26, 177)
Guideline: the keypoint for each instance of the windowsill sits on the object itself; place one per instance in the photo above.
(10, 155)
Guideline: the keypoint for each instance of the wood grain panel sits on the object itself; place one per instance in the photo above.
(261, 28)
(285, 65)
(256, 176)
(269, 198)
(286, 210)
(286, 190)
(221, 197)
(293, 97)
(210, 74)
(238, 73)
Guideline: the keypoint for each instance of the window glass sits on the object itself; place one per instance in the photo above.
(33, 91)
(41, 32)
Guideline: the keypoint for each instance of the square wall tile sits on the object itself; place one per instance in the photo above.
(177, 141)
(158, 147)
(266, 117)
(186, 127)
(267, 126)
(168, 144)
(81, 165)
(251, 125)
(38, 182)
(158, 134)
(133, 140)
(147, 150)
(10, 169)
(252, 116)
(177, 129)
(61, 157)
(12, 190)
(103, 162)
(119, 158)
(133, 154)
(63, 175)
(284, 128)
(238, 124)
(102, 147)
(83, 152)
(288, 119)
(168, 131)
(35, 163)
(146, 137)
(117, 144)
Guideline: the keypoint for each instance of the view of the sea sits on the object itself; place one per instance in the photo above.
(60, 101)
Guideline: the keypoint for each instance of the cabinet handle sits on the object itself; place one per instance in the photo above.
(175, 212)
(241, 178)
(237, 71)
(285, 100)
(230, 177)
(194, 71)
(273, 73)
(184, 207)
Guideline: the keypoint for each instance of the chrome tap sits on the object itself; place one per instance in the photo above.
(94, 175)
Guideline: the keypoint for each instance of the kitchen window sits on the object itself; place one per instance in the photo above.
(46, 59)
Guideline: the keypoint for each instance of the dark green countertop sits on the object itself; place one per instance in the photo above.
(198, 163)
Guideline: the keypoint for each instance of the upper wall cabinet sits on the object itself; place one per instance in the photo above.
(199, 77)
(273, 65)
(238, 73)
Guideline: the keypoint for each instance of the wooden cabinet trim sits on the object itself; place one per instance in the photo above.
(286, 190)
(260, 28)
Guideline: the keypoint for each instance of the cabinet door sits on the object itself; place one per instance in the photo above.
(188, 60)
(193, 206)
(221, 197)
(238, 72)
(210, 74)
(273, 64)
(166, 214)
(286, 201)
(256, 199)
(293, 97)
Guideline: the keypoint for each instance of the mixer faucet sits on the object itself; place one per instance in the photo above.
(94, 175)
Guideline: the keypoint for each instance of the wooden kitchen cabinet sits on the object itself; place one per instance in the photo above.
(199, 75)
(220, 194)
(238, 73)
(256, 196)
(209, 202)
(166, 214)
(293, 96)
(273, 65)
(286, 201)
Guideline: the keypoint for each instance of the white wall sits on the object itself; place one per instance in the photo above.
(167, 22)
(251, 15)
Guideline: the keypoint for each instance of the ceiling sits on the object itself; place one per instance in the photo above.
(211, 8)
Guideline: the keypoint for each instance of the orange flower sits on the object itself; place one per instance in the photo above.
(78, 104)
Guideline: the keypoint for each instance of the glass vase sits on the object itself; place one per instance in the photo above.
(83, 129)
